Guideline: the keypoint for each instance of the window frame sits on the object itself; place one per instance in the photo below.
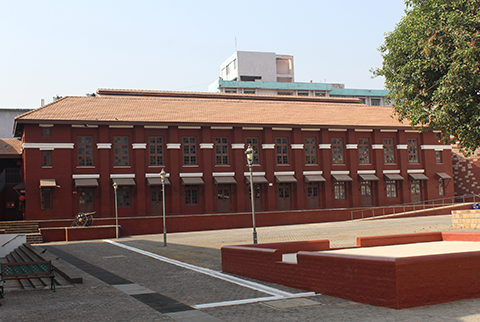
(121, 151)
(221, 150)
(46, 198)
(249, 140)
(47, 158)
(439, 157)
(391, 188)
(191, 193)
(386, 152)
(310, 151)
(124, 193)
(338, 150)
(158, 157)
(84, 156)
(413, 153)
(281, 148)
(189, 143)
(364, 151)
(340, 190)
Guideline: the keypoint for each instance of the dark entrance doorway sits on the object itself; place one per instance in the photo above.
(366, 193)
(224, 203)
(313, 199)
(86, 200)
(257, 190)
(416, 190)
(284, 193)
(156, 204)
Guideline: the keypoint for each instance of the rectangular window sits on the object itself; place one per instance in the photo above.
(85, 150)
(441, 188)
(375, 101)
(339, 190)
(364, 151)
(389, 150)
(46, 158)
(221, 151)
(253, 142)
(310, 151)
(282, 150)
(438, 156)
(249, 91)
(123, 197)
(302, 93)
(46, 131)
(155, 148)
(189, 150)
(46, 196)
(391, 189)
(337, 151)
(191, 195)
(120, 150)
(412, 150)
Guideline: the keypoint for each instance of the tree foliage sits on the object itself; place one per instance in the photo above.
(431, 64)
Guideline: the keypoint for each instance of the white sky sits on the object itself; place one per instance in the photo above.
(68, 47)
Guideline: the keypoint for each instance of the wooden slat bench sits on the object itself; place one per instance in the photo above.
(26, 270)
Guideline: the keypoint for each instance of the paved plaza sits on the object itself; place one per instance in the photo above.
(137, 279)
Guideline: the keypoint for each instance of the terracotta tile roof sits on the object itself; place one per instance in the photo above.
(10, 148)
(204, 111)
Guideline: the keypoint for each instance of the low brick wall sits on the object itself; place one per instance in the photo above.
(466, 218)
(392, 282)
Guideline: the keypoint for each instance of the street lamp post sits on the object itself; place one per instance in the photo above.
(162, 177)
(249, 154)
(115, 187)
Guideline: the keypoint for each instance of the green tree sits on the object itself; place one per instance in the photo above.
(431, 64)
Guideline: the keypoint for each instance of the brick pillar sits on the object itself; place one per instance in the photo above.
(139, 148)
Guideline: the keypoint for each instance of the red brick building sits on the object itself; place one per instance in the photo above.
(310, 153)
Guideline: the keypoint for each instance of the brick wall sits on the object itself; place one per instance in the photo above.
(466, 172)
(466, 218)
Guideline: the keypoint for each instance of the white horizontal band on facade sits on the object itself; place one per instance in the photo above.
(221, 127)
(281, 128)
(122, 176)
(296, 146)
(121, 126)
(189, 127)
(402, 146)
(377, 146)
(391, 131)
(412, 131)
(436, 147)
(351, 146)
(337, 130)
(139, 145)
(363, 130)
(390, 171)
(206, 145)
(366, 171)
(324, 146)
(255, 174)
(223, 174)
(156, 175)
(312, 173)
(284, 173)
(339, 172)
(415, 171)
(50, 146)
(45, 125)
(47, 149)
(175, 146)
(85, 176)
(252, 128)
(238, 146)
(307, 129)
(104, 145)
(191, 175)
(85, 126)
(159, 127)
(268, 146)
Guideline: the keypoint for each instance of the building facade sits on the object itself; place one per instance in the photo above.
(310, 153)
(272, 74)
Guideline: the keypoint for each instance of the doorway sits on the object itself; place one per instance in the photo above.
(224, 203)
(284, 196)
(416, 190)
(313, 199)
(366, 193)
(156, 202)
(86, 199)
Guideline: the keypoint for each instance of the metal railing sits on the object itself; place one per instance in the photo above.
(10, 240)
(416, 206)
